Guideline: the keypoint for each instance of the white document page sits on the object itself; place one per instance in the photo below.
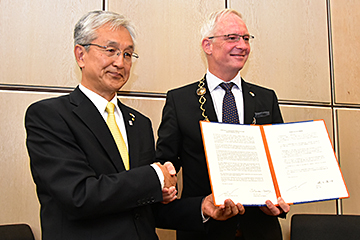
(304, 162)
(237, 164)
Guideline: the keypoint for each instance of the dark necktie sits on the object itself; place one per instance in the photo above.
(229, 111)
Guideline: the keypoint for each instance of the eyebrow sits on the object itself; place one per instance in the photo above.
(112, 43)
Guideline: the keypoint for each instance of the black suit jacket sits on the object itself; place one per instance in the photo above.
(180, 141)
(83, 188)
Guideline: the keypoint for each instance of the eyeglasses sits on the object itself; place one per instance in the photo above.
(232, 38)
(114, 52)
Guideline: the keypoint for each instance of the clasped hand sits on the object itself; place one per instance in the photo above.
(169, 191)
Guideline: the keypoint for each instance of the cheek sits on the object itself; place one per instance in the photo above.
(127, 69)
(248, 50)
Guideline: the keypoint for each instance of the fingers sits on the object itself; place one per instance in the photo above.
(169, 195)
(169, 178)
(283, 205)
(240, 208)
(222, 212)
(273, 210)
(230, 207)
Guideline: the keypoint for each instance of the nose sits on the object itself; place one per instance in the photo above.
(119, 60)
(241, 44)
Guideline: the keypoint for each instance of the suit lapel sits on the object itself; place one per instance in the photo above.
(249, 102)
(209, 105)
(91, 117)
(132, 134)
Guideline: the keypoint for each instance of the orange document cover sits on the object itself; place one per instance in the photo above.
(250, 164)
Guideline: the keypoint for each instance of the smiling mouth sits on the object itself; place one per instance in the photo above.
(237, 55)
(116, 75)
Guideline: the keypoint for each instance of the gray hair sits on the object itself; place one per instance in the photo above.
(210, 26)
(85, 28)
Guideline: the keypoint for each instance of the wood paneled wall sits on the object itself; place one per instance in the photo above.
(306, 50)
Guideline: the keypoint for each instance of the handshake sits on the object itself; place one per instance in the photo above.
(209, 210)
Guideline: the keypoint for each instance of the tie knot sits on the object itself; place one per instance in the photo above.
(110, 108)
(227, 86)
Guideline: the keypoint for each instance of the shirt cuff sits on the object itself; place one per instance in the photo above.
(159, 173)
(204, 219)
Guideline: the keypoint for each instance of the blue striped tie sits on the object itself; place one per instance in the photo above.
(229, 110)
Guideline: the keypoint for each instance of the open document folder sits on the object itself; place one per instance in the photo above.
(253, 163)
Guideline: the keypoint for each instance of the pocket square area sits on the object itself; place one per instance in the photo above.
(261, 114)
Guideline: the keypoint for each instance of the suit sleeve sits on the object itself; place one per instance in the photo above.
(181, 214)
(168, 146)
(63, 169)
(277, 117)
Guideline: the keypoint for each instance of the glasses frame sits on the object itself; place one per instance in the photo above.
(134, 55)
(234, 34)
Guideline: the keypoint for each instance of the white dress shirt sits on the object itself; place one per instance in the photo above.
(100, 103)
(217, 94)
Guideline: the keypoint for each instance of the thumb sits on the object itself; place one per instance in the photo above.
(170, 167)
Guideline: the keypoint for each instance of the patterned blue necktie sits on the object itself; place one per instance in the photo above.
(229, 110)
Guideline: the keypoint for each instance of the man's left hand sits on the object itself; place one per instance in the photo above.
(273, 210)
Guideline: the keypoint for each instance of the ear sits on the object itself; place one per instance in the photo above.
(80, 52)
(207, 46)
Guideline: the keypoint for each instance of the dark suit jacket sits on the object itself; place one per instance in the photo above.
(180, 141)
(83, 188)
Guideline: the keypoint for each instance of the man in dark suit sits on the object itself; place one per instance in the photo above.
(226, 46)
(95, 181)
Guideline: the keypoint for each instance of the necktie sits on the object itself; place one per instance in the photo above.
(111, 122)
(229, 111)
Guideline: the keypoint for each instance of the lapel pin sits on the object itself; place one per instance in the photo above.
(252, 94)
(132, 116)
(132, 119)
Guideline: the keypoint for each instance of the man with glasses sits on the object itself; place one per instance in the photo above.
(92, 157)
(226, 44)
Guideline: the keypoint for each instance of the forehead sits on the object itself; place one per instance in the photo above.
(115, 36)
(231, 24)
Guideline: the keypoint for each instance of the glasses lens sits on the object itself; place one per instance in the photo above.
(246, 38)
(232, 38)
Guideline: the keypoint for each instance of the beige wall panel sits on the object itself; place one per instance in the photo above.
(349, 138)
(303, 113)
(345, 16)
(166, 234)
(18, 200)
(150, 107)
(290, 49)
(168, 41)
(37, 41)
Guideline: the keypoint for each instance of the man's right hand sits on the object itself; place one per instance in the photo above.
(169, 173)
(222, 212)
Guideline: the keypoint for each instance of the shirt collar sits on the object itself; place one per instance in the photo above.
(99, 102)
(213, 81)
